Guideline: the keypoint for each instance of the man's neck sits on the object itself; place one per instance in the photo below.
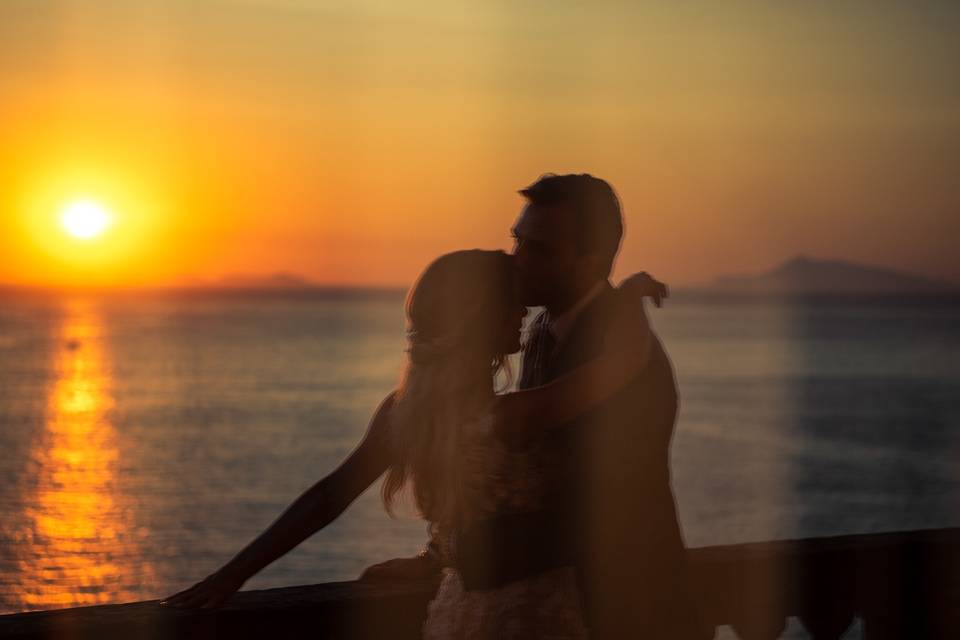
(561, 325)
(570, 298)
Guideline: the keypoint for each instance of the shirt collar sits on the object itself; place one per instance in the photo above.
(561, 325)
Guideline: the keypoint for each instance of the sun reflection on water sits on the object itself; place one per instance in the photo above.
(82, 547)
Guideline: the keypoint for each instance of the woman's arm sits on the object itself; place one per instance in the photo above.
(317, 507)
(627, 347)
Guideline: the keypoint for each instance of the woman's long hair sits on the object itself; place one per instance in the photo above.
(455, 321)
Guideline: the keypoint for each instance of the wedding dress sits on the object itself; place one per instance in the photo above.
(545, 605)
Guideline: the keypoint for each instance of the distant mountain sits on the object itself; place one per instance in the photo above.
(806, 276)
(282, 280)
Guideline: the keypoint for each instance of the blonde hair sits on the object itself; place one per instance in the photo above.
(454, 314)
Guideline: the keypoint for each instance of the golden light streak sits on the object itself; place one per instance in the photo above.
(81, 548)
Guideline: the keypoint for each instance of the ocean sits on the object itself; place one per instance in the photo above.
(145, 438)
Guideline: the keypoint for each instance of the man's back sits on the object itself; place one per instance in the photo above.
(610, 486)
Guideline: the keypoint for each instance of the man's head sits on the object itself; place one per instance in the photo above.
(566, 237)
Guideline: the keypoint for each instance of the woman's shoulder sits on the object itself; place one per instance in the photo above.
(381, 424)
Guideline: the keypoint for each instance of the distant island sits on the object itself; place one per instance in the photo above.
(281, 280)
(803, 275)
(283, 284)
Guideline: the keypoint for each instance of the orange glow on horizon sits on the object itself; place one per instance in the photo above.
(733, 141)
(84, 222)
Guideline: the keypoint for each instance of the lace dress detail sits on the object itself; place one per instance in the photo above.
(545, 605)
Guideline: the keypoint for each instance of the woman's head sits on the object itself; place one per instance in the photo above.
(463, 317)
(465, 304)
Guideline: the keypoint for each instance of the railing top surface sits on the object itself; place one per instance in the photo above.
(848, 543)
(715, 564)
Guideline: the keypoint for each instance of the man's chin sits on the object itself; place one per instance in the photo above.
(531, 298)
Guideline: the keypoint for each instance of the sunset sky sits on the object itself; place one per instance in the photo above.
(351, 142)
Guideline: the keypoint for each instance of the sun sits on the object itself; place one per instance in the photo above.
(85, 219)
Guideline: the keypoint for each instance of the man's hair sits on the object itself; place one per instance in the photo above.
(593, 204)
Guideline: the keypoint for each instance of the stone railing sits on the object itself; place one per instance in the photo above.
(902, 585)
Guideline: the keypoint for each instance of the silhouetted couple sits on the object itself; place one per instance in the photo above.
(550, 509)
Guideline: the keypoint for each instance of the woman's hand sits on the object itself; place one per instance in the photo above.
(643, 285)
(419, 567)
(210, 593)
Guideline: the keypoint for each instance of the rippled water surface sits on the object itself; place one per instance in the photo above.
(144, 439)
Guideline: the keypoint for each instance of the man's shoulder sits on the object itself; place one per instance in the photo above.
(596, 322)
